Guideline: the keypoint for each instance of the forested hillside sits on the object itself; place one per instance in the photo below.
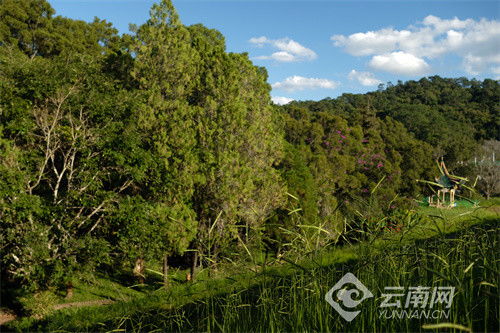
(119, 151)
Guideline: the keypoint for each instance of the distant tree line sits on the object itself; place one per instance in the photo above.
(119, 150)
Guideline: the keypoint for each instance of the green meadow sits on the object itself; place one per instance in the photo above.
(457, 248)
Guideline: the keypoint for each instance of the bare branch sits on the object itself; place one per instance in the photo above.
(47, 119)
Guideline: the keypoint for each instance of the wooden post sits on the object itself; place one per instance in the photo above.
(165, 270)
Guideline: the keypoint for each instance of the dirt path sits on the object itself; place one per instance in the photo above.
(80, 304)
(7, 315)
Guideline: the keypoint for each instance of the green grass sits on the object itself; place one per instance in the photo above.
(295, 302)
(455, 247)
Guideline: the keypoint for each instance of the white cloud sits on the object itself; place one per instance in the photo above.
(399, 63)
(441, 25)
(259, 41)
(371, 42)
(365, 78)
(477, 42)
(294, 83)
(477, 64)
(282, 56)
(289, 50)
(496, 70)
(291, 46)
(281, 100)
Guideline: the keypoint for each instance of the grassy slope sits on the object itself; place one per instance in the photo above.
(132, 303)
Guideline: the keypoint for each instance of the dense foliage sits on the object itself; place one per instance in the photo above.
(116, 149)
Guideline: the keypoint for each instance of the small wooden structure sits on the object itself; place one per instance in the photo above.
(439, 200)
(447, 185)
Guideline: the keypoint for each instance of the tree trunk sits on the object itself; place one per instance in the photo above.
(212, 264)
(265, 259)
(165, 270)
(69, 290)
(139, 270)
(194, 259)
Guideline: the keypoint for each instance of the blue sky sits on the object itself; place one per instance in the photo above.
(318, 49)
